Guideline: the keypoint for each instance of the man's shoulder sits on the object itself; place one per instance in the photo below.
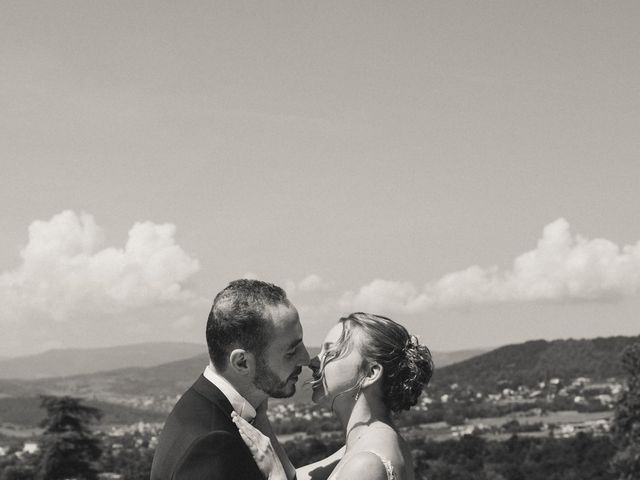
(217, 454)
(198, 438)
(210, 455)
(195, 410)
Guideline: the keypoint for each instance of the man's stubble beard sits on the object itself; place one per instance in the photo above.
(267, 381)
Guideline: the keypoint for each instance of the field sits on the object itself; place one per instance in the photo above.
(441, 431)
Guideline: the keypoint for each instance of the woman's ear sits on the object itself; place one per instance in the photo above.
(372, 375)
(242, 362)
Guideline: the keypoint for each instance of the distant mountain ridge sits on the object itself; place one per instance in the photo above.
(518, 364)
(81, 361)
(26, 411)
(538, 360)
(167, 379)
(77, 361)
(442, 359)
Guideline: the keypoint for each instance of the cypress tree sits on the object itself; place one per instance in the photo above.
(70, 449)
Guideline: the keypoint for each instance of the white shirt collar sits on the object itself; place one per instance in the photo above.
(237, 401)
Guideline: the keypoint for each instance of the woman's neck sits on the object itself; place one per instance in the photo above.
(356, 418)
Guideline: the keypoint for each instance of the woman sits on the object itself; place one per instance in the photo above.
(369, 367)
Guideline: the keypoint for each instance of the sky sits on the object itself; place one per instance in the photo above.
(470, 169)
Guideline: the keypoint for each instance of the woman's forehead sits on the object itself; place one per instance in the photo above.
(334, 334)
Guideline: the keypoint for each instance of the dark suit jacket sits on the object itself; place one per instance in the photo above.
(200, 442)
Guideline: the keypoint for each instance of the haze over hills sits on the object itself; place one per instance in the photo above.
(526, 363)
(539, 360)
(76, 361)
(26, 412)
(156, 388)
(442, 359)
(167, 379)
(79, 361)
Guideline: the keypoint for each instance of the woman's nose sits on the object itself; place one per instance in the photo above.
(314, 363)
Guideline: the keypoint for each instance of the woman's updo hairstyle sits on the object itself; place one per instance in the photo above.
(407, 365)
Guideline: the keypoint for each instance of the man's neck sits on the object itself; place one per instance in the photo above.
(251, 394)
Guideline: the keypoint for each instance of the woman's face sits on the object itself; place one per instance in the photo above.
(340, 374)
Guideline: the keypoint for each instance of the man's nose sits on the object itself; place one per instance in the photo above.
(304, 359)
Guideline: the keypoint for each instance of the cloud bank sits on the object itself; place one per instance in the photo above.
(312, 283)
(562, 268)
(66, 272)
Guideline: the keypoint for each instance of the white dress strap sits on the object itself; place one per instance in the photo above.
(391, 473)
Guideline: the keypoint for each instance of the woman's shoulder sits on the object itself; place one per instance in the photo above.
(364, 461)
(380, 449)
(386, 443)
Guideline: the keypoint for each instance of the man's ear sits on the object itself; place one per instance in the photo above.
(242, 362)
(372, 374)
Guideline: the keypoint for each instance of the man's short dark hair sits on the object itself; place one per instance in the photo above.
(239, 319)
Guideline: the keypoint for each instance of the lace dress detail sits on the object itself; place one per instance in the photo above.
(391, 473)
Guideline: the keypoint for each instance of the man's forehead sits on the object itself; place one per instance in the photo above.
(283, 316)
(286, 323)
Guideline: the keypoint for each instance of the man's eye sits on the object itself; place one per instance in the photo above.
(289, 355)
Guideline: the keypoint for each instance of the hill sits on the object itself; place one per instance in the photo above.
(26, 412)
(66, 362)
(538, 360)
(442, 359)
(161, 381)
(165, 380)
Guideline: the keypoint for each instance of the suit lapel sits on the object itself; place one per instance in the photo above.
(212, 393)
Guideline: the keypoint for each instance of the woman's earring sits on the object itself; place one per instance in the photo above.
(358, 393)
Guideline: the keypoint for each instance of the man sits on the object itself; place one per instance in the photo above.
(255, 346)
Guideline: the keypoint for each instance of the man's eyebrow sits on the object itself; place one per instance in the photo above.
(294, 343)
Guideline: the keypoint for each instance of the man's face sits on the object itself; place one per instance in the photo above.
(278, 369)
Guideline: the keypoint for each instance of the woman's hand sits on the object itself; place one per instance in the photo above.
(260, 447)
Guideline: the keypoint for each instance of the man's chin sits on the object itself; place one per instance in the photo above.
(285, 393)
(275, 387)
(286, 390)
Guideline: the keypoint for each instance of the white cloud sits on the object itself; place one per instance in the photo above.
(67, 273)
(310, 284)
(313, 283)
(562, 268)
(384, 296)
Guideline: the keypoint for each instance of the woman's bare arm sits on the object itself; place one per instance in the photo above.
(321, 469)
